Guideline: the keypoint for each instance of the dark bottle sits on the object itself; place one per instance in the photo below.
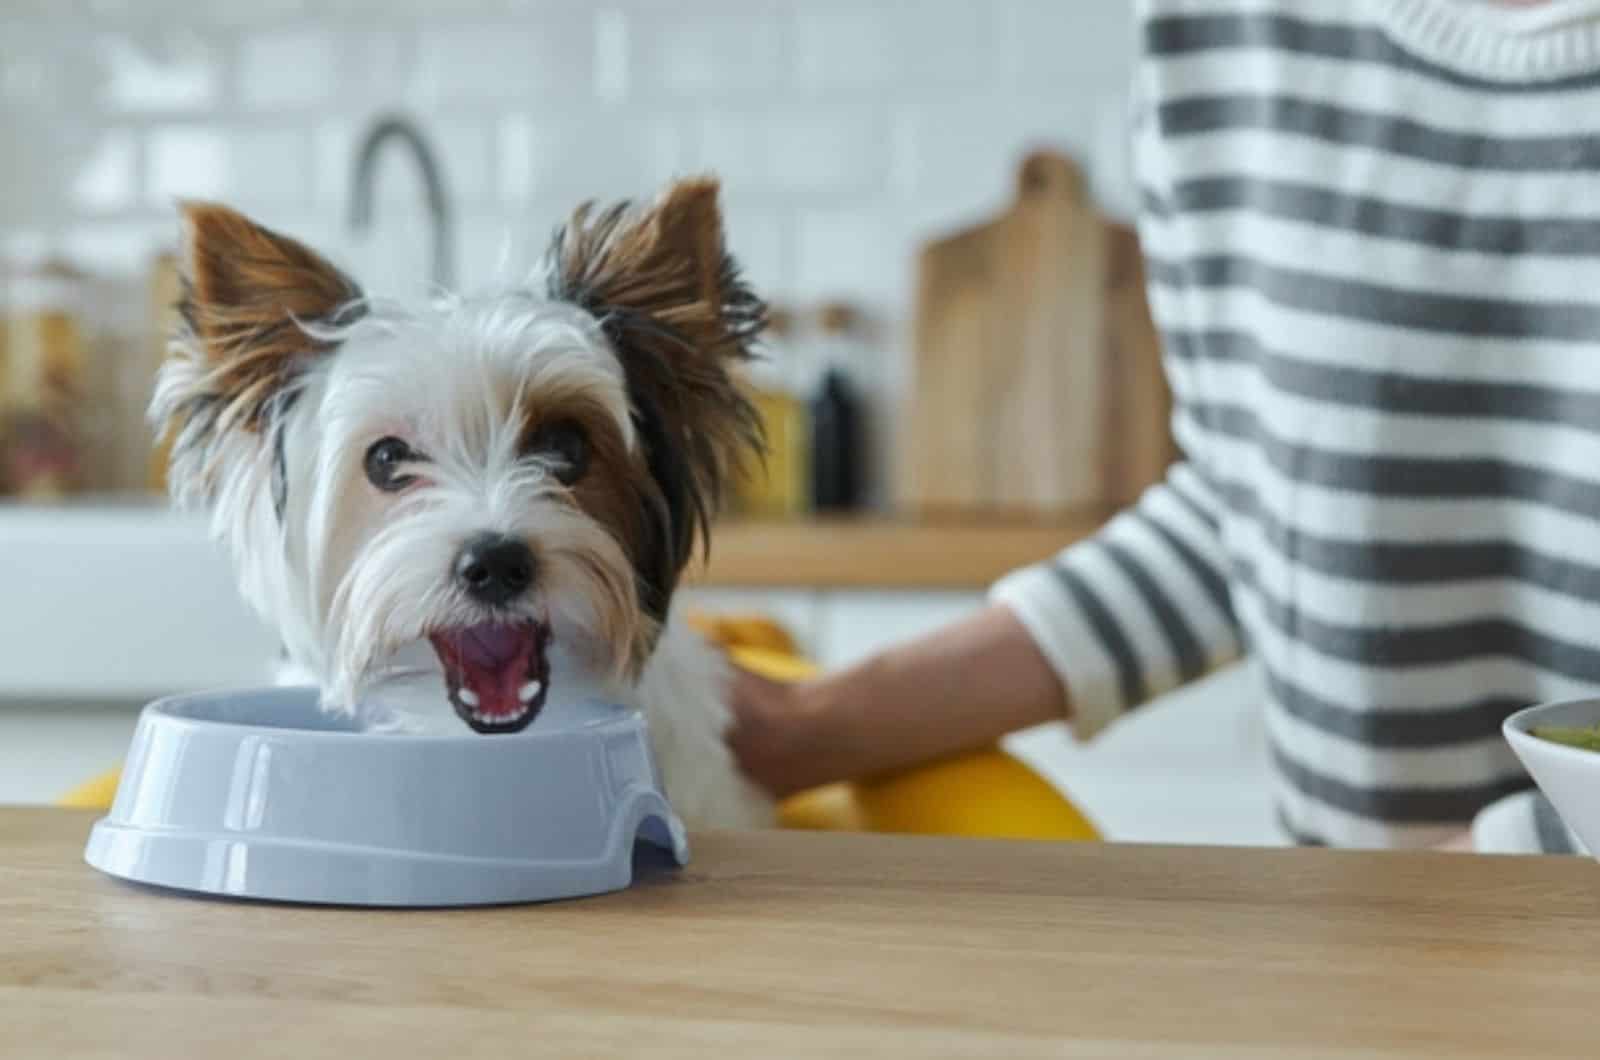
(835, 445)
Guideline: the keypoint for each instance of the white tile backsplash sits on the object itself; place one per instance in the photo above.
(554, 155)
(511, 62)
(376, 64)
(286, 69)
(187, 162)
(117, 247)
(760, 238)
(714, 51)
(109, 177)
(268, 165)
(844, 252)
(798, 152)
(160, 69)
(846, 134)
(939, 141)
(466, 146)
(1090, 43)
(841, 48)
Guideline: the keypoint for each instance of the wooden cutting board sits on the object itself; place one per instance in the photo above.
(1035, 384)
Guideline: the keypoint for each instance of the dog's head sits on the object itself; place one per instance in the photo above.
(484, 474)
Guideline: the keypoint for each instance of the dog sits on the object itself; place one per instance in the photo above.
(445, 508)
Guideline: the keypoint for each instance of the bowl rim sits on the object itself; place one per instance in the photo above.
(161, 710)
(1517, 729)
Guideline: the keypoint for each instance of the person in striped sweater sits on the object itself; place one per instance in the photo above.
(1373, 236)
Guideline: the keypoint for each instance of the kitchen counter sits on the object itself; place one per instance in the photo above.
(883, 553)
(790, 944)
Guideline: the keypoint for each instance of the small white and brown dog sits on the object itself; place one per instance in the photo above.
(441, 507)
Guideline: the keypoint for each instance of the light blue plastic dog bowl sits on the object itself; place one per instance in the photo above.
(260, 794)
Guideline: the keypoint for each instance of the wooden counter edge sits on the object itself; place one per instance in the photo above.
(882, 553)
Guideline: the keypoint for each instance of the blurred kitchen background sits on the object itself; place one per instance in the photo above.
(934, 194)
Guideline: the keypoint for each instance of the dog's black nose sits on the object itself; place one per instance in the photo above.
(494, 568)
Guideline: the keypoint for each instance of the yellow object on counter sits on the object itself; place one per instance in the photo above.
(754, 632)
(983, 793)
(95, 794)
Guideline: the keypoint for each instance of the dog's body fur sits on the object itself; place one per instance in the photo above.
(354, 457)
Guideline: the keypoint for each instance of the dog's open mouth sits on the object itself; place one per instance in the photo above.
(497, 674)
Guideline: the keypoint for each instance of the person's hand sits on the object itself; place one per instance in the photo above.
(778, 735)
(960, 687)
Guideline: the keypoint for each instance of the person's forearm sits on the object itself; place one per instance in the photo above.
(961, 687)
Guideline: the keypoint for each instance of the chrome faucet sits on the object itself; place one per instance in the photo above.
(394, 127)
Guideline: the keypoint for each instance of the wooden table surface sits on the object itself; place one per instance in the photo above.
(800, 944)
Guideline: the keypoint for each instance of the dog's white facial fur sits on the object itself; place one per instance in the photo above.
(370, 572)
(587, 423)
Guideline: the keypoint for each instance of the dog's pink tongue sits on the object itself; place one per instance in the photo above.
(493, 647)
(495, 663)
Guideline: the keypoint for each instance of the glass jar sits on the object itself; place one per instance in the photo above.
(41, 382)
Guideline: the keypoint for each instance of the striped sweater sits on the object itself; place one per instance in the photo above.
(1373, 234)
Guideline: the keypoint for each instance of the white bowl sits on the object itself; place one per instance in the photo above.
(1569, 776)
(260, 794)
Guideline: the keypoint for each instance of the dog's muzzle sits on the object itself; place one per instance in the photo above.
(497, 674)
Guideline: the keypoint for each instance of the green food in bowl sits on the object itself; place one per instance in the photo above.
(1587, 739)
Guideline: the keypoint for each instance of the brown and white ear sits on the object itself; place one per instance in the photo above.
(665, 262)
(248, 294)
(671, 300)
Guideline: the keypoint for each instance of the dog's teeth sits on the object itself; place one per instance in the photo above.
(529, 690)
(469, 697)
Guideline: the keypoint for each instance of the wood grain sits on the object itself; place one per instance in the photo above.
(813, 944)
(1139, 446)
(1035, 384)
(882, 554)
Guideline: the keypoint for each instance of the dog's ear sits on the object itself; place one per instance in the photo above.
(248, 295)
(672, 302)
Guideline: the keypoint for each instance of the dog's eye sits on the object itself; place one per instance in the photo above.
(565, 444)
(383, 461)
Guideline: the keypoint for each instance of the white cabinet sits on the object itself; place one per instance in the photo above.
(110, 603)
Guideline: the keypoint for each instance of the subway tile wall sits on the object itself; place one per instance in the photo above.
(846, 132)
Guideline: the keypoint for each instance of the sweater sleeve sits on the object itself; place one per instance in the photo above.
(1137, 610)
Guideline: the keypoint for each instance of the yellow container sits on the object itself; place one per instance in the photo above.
(776, 487)
(780, 486)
